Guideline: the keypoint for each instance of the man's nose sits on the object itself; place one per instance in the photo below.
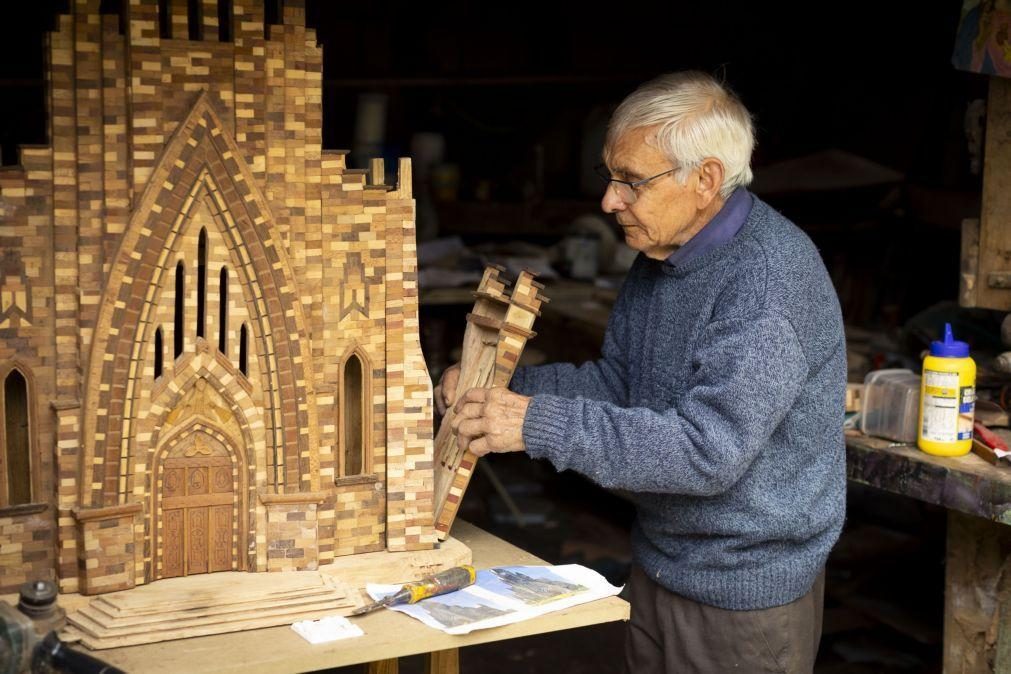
(611, 202)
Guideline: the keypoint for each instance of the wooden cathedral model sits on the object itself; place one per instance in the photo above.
(209, 352)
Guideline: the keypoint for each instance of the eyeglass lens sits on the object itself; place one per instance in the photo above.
(624, 192)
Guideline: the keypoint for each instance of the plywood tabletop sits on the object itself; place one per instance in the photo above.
(388, 634)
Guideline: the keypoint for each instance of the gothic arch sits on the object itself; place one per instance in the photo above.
(241, 500)
(168, 396)
(356, 351)
(200, 159)
(34, 459)
(243, 444)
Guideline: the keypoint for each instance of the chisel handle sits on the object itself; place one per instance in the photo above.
(449, 580)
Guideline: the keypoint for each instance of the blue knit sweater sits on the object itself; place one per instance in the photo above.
(718, 404)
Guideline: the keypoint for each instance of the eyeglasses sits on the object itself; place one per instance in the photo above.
(626, 190)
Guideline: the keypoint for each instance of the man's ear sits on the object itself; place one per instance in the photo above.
(710, 181)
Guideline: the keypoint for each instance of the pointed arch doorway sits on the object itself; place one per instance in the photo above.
(198, 505)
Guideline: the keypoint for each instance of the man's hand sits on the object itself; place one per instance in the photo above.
(490, 420)
(445, 392)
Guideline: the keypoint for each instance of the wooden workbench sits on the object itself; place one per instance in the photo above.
(977, 597)
(388, 635)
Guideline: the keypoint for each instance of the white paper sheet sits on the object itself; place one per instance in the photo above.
(504, 595)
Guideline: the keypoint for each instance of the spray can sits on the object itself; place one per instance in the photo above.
(947, 398)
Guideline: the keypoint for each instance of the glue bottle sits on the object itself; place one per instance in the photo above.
(947, 398)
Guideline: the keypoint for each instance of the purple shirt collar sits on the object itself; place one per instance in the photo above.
(717, 231)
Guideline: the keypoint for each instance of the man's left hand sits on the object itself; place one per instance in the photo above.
(490, 420)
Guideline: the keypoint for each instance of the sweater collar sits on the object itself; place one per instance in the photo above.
(721, 229)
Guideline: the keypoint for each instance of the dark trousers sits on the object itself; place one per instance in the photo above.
(669, 633)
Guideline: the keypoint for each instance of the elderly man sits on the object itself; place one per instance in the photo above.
(717, 403)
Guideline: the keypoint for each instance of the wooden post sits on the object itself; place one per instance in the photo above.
(977, 601)
(383, 667)
(994, 280)
(443, 662)
(377, 171)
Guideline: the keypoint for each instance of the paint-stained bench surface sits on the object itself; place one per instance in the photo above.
(966, 484)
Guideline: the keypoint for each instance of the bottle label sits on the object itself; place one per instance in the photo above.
(966, 411)
(947, 407)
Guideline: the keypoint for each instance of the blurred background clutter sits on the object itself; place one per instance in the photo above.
(868, 138)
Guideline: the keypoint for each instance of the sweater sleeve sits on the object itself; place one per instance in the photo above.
(747, 373)
(604, 379)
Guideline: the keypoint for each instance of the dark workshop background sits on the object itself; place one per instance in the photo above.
(862, 140)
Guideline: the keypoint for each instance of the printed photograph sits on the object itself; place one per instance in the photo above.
(532, 585)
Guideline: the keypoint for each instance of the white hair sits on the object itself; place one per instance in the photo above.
(697, 118)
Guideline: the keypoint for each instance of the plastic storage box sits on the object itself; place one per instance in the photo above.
(891, 404)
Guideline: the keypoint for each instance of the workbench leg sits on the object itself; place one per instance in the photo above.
(977, 596)
(391, 666)
(443, 662)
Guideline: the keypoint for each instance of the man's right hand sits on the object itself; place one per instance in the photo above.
(445, 392)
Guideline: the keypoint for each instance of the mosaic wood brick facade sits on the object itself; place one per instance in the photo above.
(107, 548)
(214, 321)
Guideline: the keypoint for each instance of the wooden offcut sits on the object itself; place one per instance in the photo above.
(497, 330)
(968, 277)
(854, 397)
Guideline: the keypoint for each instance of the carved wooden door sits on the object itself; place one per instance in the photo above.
(198, 508)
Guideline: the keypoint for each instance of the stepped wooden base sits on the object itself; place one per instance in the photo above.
(201, 605)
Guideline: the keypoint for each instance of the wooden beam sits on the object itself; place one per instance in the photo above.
(390, 666)
(443, 662)
(977, 586)
(994, 281)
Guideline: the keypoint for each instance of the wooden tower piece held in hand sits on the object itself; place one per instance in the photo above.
(497, 330)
